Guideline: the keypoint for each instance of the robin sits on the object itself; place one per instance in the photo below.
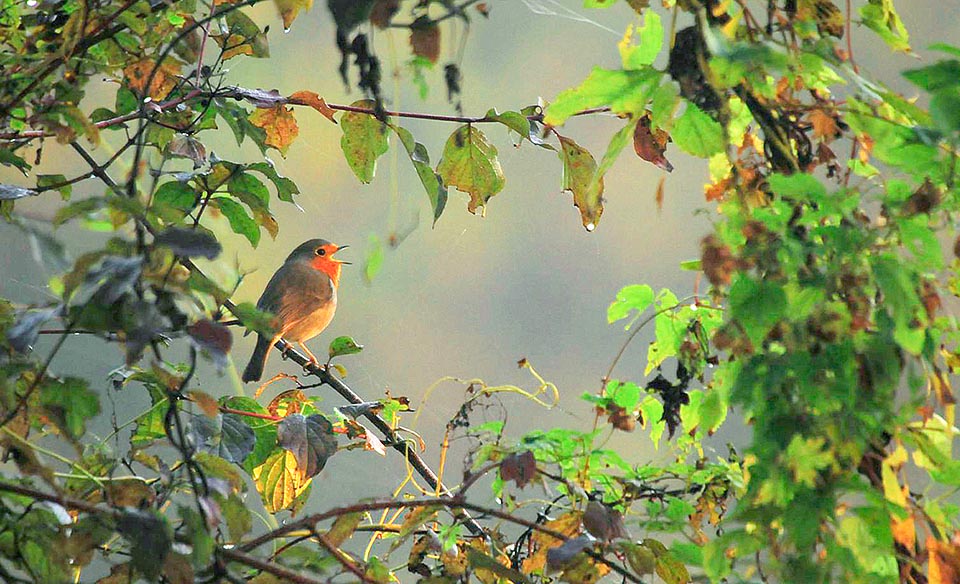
(302, 296)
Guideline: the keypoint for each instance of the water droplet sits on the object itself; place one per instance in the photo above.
(591, 226)
(32, 3)
(286, 29)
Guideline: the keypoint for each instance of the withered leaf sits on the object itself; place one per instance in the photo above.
(425, 39)
(161, 84)
(579, 168)
(310, 439)
(650, 144)
(313, 100)
(520, 468)
(279, 124)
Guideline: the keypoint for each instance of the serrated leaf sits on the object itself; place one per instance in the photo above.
(69, 403)
(225, 435)
(648, 45)
(696, 133)
(625, 92)
(364, 140)
(470, 164)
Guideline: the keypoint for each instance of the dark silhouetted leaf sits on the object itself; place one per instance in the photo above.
(561, 556)
(189, 242)
(264, 430)
(150, 537)
(310, 439)
(212, 337)
(226, 435)
(23, 334)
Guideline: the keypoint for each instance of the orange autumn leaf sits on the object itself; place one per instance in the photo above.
(279, 124)
(567, 524)
(163, 82)
(313, 100)
(944, 562)
(824, 125)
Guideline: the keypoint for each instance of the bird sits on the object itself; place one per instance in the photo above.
(302, 297)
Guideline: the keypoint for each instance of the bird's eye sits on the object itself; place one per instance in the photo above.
(321, 251)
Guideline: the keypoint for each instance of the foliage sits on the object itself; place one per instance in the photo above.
(823, 327)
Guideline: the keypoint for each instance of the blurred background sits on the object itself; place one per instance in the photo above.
(472, 295)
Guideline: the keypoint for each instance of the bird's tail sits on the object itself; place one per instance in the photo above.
(254, 370)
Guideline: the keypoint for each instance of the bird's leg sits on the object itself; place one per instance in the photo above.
(313, 359)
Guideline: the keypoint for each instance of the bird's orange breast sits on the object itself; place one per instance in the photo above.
(328, 267)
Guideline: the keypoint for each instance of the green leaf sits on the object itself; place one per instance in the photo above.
(172, 200)
(364, 140)
(650, 41)
(636, 297)
(945, 109)
(663, 104)
(436, 191)
(626, 92)
(579, 170)
(881, 17)
(47, 180)
(626, 395)
(798, 186)
(286, 188)
(240, 222)
(623, 137)
(696, 133)
(151, 538)
(374, 262)
(255, 319)
(757, 306)
(470, 164)
(513, 120)
(344, 346)
(69, 403)
(8, 158)
(940, 75)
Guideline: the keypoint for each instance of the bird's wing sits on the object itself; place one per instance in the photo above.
(294, 290)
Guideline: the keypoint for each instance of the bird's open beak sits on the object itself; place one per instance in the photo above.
(338, 251)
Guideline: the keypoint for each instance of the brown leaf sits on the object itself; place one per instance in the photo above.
(717, 190)
(484, 9)
(604, 523)
(280, 126)
(287, 402)
(717, 261)
(659, 194)
(579, 168)
(650, 144)
(824, 125)
(163, 82)
(207, 403)
(425, 39)
(519, 468)
(383, 12)
(923, 200)
(313, 100)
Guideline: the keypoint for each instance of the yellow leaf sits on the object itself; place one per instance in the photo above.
(280, 126)
(279, 481)
(289, 9)
(567, 524)
(313, 100)
(162, 83)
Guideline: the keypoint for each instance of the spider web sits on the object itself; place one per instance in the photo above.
(555, 8)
